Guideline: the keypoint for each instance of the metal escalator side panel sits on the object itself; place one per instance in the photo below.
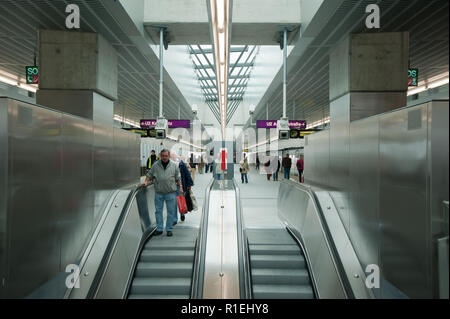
(200, 248)
(297, 209)
(243, 249)
(221, 278)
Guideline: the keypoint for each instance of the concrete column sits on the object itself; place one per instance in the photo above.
(78, 74)
(371, 68)
(368, 76)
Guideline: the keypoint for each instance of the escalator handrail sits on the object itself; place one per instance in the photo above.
(243, 253)
(332, 249)
(336, 258)
(200, 248)
(103, 266)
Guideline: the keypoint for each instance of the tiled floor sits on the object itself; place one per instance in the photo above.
(259, 200)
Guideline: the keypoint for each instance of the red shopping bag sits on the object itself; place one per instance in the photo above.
(182, 206)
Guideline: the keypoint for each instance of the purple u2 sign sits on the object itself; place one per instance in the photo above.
(172, 123)
(299, 124)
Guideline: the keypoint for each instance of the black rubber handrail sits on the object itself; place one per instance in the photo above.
(243, 252)
(111, 244)
(200, 248)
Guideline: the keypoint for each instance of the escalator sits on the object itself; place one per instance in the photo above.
(165, 267)
(221, 259)
(278, 266)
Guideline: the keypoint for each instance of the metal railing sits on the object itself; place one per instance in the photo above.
(200, 249)
(244, 257)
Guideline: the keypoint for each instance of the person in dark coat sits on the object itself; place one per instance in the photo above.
(186, 181)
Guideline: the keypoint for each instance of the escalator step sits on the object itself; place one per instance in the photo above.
(277, 261)
(167, 256)
(158, 297)
(274, 249)
(161, 286)
(170, 245)
(163, 269)
(282, 292)
(280, 276)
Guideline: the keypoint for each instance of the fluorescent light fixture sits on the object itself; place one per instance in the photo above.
(126, 121)
(220, 22)
(220, 7)
(434, 82)
(438, 83)
(417, 90)
(15, 82)
(8, 81)
(27, 87)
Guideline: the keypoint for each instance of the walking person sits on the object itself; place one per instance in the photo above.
(268, 169)
(186, 182)
(192, 166)
(287, 164)
(275, 174)
(244, 168)
(257, 163)
(166, 176)
(152, 160)
(300, 166)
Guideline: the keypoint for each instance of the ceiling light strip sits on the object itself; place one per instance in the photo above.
(220, 24)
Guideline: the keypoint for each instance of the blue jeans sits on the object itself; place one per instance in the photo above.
(287, 173)
(171, 204)
(219, 177)
(275, 176)
(244, 177)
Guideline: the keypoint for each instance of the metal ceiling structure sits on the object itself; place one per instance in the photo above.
(138, 81)
(242, 59)
(308, 83)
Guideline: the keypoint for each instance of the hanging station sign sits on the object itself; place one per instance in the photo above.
(32, 74)
(147, 124)
(413, 77)
(299, 124)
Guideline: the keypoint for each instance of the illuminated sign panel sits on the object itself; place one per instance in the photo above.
(32, 74)
(146, 124)
(300, 124)
(413, 77)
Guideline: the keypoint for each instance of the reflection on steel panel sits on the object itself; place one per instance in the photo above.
(221, 275)
(404, 223)
(59, 176)
(398, 178)
(297, 210)
(363, 191)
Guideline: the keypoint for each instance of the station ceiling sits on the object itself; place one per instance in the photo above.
(308, 86)
(138, 87)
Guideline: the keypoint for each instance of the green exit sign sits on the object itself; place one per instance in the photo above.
(413, 77)
(32, 74)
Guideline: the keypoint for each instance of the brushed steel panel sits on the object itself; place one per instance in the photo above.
(76, 217)
(438, 164)
(339, 155)
(53, 203)
(34, 201)
(114, 282)
(404, 222)
(221, 275)
(363, 191)
(3, 193)
(294, 200)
